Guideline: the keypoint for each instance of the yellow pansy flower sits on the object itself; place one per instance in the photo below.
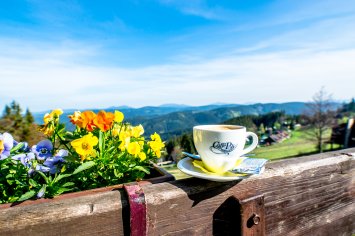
(134, 148)
(156, 144)
(137, 131)
(156, 147)
(141, 142)
(51, 116)
(118, 116)
(85, 146)
(124, 138)
(2, 147)
(115, 131)
(155, 137)
(142, 156)
(47, 129)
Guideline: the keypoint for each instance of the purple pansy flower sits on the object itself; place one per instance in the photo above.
(42, 168)
(54, 162)
(25, 158)
(6, 144)
(43, 149)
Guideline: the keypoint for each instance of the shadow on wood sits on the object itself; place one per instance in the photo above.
(226, 219)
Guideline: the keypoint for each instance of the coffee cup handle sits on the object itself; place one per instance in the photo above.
(254, 143)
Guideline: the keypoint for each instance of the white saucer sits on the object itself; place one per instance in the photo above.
(186, 166)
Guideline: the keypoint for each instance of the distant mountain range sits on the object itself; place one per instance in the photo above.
(174, 119)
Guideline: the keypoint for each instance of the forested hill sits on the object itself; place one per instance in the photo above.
(175, 119)
(176, 123)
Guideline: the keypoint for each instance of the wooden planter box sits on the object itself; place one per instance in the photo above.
(70, 213)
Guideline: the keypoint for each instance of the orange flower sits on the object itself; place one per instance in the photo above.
(87, 119)
(104, 120)
(76, 119)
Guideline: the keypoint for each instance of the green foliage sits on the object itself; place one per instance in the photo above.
(19, 183)
(109, 152)
(349, 108)
(247, 121)
(20, 125)
(186, 143)
(261, 129)
(13, 181)
(28, 117)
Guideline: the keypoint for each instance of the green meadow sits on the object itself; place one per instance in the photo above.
(300, 143)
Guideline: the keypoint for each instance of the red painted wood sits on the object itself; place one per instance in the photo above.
(138, 210)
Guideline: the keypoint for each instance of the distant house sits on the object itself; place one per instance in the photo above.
(276, 137)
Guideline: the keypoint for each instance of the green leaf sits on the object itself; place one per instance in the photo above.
(141, 168)
(111, 149)
(101, 141)
(44, 176)
(68, 184)
(17, 147)
(33, 182)
(62, 190)
(84, 166)
(61, 176)
(9, 176)
(117, 174)
(27, 195)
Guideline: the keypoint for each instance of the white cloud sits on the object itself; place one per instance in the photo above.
(292, 75)
(290, 66)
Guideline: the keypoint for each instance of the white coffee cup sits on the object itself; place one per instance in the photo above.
(221, 146)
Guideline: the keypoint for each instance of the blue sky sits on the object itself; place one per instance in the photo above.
(96, 54)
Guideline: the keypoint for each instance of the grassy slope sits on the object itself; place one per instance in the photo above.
(300, 143)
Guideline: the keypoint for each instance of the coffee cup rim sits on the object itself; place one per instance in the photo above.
(208, 127)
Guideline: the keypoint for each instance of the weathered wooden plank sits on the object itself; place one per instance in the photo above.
(311, 195)
(88, 213)
(103, 211)
(300, 193)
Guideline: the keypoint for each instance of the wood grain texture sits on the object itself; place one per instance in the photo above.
(94, 214)
(310, 195)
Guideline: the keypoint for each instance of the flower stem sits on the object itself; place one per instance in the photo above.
(62, 142)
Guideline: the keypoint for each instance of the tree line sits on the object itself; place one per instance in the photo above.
(20, 125)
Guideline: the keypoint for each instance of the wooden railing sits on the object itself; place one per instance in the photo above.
(309, 195)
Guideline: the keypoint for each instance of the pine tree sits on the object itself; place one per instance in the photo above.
(186, 143)
(262, 128)
(29, 117)
(21, 126)
(7, 112)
